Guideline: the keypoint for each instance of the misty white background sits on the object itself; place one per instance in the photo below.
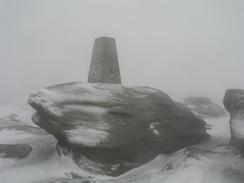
(183, 47)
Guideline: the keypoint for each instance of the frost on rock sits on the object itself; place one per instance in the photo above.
(204, 107)
(153, 127)
(87, 136)
(213, 161)
(110, 123)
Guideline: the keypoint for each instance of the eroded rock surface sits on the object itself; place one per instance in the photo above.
(204, 107)
(18, 151)
(234, 104)
(115, 125)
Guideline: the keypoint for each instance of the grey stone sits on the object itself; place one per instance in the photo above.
(115, 125)
(204, 107)
(104, 66)
(18, 151)
(234, 104)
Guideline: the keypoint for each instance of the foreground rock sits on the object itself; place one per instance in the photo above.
(115, 125)
(204, 107)
(234, 104)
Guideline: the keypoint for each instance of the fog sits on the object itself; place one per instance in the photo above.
(184, 48)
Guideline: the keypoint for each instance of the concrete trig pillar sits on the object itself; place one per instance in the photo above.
(104, 66)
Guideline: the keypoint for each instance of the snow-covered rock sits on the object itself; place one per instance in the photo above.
(113, 124)
(18, 151)
(204, 107)
(234, 104)
(212, 161)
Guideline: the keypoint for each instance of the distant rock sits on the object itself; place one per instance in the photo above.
(204, 107)
(18, 151)
(21, 139)
(119, 127)
(13, 122)
(234, 104)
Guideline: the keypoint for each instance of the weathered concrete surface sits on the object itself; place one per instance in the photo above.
(234, 104)
(113, 124)
(104, 66)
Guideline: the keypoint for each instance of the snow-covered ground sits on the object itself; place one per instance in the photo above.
(213, 161)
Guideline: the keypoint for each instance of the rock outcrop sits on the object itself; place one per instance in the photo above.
(18, 151)
(234, 104)
(204, 107)
(115, 125)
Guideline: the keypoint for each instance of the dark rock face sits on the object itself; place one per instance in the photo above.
(234, 104)
(18, 151)
(115, 125)
(204, 107)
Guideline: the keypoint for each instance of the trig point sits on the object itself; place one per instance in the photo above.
(104, 66)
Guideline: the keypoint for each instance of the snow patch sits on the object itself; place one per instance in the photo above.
(190, 106)
(88, 109)
(153, 127)
(87, 136)
(46, 98)
(213, 163)
(13, 136)
(205, 106)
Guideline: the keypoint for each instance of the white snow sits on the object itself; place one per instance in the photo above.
(89, 109)
(146, 89)
(210, 162)
(46, 98)
(20, 108)
(51, 99)
(190, 106)
(205, 106)
(13, 136)
(153, 127)
(55, 167)
(87, 136)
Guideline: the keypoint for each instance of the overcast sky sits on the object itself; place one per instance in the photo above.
(183, 47)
